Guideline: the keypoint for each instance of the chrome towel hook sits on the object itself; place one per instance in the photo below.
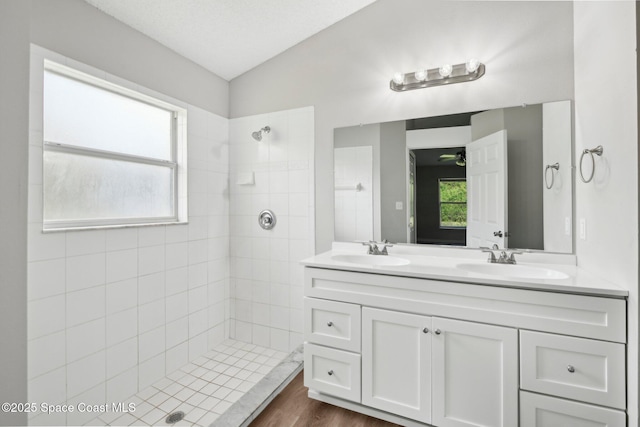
(598, 151)
(555, 166)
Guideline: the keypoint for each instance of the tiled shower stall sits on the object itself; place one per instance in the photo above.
(113, 311)
(266, 277)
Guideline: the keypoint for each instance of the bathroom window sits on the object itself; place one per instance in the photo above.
(453, 203)
(110, 154)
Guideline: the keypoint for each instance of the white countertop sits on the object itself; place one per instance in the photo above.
(442, 265)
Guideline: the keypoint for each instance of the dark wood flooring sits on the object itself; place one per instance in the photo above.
(292, 408)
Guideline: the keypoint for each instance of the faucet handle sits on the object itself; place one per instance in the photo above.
(511, 259)
(492, 255)
(373, 247)
(386, 244)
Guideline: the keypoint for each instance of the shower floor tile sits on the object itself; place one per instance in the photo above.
(203, 389)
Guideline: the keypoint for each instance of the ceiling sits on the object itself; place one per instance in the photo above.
(229, 37)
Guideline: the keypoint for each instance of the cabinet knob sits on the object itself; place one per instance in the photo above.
(330, 372)
(425, 330)
(329, 324)
(438, 331)
(571, 369)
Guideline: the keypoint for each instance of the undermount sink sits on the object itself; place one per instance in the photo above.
(371, 259)
(515, 271)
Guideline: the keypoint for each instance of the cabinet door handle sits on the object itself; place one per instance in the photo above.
(571, 369)
(438, 331)
(329, 324)
(425, 330)
(330, 372)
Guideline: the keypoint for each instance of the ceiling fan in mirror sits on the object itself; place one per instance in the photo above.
(460, 158)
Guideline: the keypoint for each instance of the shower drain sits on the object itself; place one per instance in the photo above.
(175, 417)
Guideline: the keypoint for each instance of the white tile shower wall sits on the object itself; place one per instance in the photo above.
(111, 311)
(266, 278)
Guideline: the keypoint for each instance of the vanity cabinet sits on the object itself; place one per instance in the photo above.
(448, 354)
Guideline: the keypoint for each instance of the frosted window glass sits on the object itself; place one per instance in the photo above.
(78, 187)
(77, 113)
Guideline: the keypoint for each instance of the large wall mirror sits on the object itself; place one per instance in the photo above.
(500, 176)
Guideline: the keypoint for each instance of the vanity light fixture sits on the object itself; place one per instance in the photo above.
(444, 75)
(398, 78)
(445, 70)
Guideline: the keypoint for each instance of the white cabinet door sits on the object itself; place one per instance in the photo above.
(396, 363)
(475, 374)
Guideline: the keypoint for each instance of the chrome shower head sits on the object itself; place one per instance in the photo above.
(258, 134)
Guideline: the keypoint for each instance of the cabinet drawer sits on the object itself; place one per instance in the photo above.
(332, 371)
(576, 368)
(545, 411)
(331, 323)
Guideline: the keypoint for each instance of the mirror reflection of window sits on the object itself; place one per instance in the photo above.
(453, 203)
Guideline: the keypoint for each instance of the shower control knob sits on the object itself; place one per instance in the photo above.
(267, 219)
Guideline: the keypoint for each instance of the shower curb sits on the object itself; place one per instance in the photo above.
(249, 406)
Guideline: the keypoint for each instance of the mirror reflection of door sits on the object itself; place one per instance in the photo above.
(440, 196)
(353, 179)
(488, 196)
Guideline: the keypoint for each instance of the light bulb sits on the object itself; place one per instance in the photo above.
(398, 78)
(472, 65)
(420, 75)
(445, 70)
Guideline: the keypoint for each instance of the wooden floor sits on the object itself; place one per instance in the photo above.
(292, 408)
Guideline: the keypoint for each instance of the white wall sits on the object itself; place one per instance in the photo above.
(345, 70)
(111, 311)
(80, 31)
(606, 114)
(557, 200)
(456, 136)
(14, 134)
(266, 276)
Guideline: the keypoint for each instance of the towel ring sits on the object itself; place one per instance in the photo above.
(555, 166)
(591, 152)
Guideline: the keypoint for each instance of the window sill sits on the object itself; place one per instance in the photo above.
(111, 226)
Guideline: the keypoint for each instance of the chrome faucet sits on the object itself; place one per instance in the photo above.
(375, 250)
(505, 257)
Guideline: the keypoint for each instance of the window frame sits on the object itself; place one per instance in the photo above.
(177, 162)
(440, 203)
